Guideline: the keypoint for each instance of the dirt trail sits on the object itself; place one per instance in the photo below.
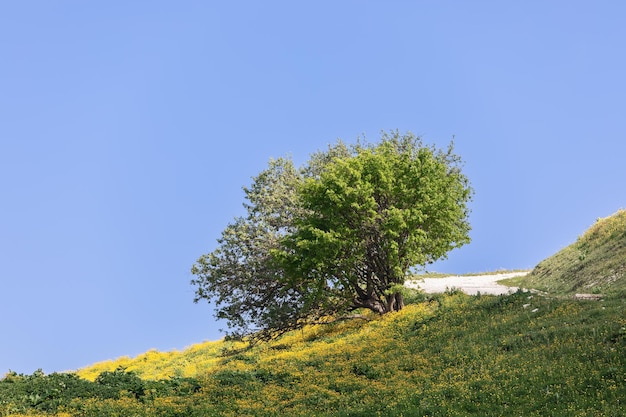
(485, 284)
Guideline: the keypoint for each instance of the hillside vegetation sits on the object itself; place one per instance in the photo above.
(452, 355)
(448, 354)
(595, 263)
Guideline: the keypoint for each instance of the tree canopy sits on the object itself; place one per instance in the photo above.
(338, 234)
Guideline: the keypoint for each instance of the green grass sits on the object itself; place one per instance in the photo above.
(595, 263)
(451, 355)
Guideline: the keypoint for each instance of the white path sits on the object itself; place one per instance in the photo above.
(485, 284)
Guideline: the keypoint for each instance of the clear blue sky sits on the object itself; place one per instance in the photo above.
(127, 130)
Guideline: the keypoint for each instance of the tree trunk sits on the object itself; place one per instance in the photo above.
(372, 304)
(391, 302)
(399, 301)
(395, 302)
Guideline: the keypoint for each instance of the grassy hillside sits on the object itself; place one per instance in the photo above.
(447, 355)
(452, 355)
(154, 365)
(595, 263)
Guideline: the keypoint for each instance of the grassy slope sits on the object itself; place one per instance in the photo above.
(455, 355)
(154, 365)
(595, 263)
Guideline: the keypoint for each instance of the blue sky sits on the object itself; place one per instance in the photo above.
(127, 130)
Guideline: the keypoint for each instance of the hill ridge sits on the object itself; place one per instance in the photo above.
(595, 263)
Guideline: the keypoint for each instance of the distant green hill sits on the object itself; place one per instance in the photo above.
(595, 263)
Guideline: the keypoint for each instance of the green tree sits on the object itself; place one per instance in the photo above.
(240, 276)
(373, 216)
(339, 234)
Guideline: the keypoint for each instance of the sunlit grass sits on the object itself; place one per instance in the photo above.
(448, 354)
(154, 365)
(452, 355)
(595, 263)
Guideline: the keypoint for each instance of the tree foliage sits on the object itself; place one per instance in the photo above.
(338, 234)
(241, 275)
